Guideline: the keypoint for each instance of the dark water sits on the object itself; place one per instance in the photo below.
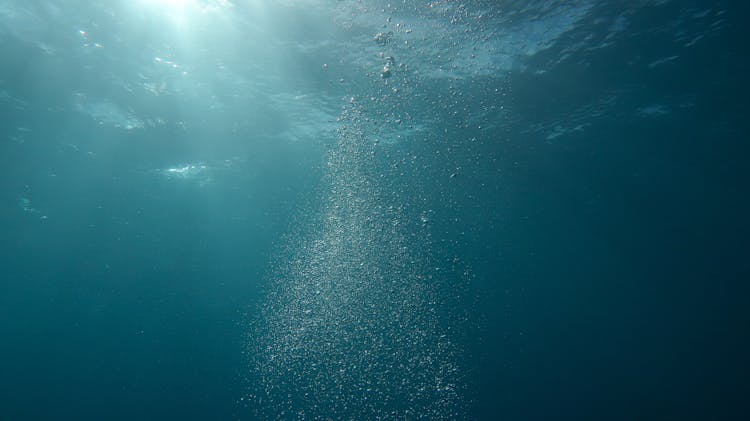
(247, 210)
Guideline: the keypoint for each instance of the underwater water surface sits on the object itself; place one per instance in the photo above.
(373, 210)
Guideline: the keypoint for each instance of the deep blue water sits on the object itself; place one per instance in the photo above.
(314, 209)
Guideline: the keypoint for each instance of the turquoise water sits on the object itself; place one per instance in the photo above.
(318, 209)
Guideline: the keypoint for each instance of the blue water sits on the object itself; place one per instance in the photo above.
(361, 210)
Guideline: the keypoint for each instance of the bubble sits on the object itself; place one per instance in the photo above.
(350, 328)
(383, 38)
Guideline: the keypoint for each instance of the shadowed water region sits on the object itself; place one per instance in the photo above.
(373, 210)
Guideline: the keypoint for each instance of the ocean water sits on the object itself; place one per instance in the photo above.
(374, 210)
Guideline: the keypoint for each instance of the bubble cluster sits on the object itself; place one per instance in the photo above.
(351, 325)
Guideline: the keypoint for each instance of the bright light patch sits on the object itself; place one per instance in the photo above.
(172, 4)
(177, 12)
(182, 14)
(183, 6)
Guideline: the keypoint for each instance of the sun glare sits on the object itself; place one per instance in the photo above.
(184, 5)
(175, 10)
(172, 4)
(182, 13)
